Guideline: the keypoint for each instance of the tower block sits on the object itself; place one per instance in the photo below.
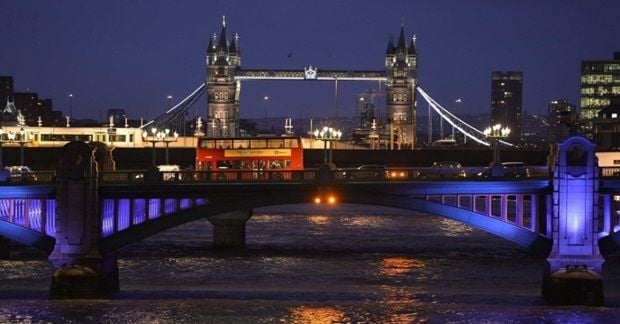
(223, 62)
(401, 67)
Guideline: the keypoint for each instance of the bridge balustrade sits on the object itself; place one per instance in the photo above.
(35, 214)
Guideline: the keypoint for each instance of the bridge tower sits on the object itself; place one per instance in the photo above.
(572, 274)
(401, 66)
(223, 62)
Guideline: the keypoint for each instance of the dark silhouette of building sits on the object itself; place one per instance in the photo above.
(563, 120)
(599, 89)
(6, 89)
(37, 112)
(506, 99)
(606, 129)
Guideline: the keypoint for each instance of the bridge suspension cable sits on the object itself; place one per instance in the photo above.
(179, 109)
(473, 133)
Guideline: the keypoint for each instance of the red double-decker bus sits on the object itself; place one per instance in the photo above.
(249, 154)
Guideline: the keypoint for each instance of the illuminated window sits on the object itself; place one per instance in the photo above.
(614, 115)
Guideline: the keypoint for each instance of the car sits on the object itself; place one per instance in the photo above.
(20, 173)
(510, 169)
(447, 169)
(515, 169)
(367, 172)
(169, 172)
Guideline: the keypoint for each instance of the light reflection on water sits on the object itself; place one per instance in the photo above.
(313, 265)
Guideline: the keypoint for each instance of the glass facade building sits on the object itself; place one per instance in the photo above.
(600, 88)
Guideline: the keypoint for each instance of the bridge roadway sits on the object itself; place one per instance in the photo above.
(138, 204)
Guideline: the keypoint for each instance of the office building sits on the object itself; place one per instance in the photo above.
(563, 120)
(506, 99)
(600, 88)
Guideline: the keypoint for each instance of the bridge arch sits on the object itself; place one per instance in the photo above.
(534, 242)
(27, 236)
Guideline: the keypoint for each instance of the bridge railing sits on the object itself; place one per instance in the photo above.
(307, 175)
(219, 176)
(33, 177)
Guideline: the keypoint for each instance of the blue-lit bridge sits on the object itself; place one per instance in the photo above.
(85, 216)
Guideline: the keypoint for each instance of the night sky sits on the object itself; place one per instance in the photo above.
(132, 54)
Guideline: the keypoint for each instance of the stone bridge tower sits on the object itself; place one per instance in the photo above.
(223, 62)
(401, 67)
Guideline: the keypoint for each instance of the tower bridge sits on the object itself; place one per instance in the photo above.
(88, 213)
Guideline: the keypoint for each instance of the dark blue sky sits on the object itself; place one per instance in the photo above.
(132, 54)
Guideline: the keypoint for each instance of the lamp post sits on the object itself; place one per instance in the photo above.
(265, 102)
(159, 136)
(327, 134)
(1, 142)
(70, 107)
(496, 133)
(20, 138)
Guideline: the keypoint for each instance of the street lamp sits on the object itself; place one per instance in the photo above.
(20, 138)
(70, 107)
(496, 133)
(327, 134)
(160, 136)
(265, 102)
(1, 142)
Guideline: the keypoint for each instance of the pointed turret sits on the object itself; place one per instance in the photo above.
(390, 46)
(411, 50)
(211, 46)
(402, 44)
(232, 49)
(223, 41)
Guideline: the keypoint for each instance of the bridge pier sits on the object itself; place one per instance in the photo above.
(80, 271)
(572, 274)
(229, 228)
(4, 248)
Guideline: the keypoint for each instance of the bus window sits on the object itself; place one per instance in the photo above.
(227, 144)
(291, 143)
(258, 143)
(241, 144)
(210, 144)
(275, 143)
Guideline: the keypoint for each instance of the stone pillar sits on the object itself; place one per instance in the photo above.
(4, 248)
(572, 275)
(80, 271)
(229, 228)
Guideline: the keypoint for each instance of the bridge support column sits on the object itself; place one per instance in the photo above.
(572, 275)
(229, 228)
(80, 271)
(4, 248)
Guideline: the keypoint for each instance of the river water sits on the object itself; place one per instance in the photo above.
(309, 264)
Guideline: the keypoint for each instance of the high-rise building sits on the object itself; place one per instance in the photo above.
(600, 88)
(6, 89)
(562, 118)
(506, 98)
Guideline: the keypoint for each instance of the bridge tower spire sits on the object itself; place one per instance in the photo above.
(401, 74)
(223, 91)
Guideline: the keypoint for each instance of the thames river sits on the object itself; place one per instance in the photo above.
(309, 264)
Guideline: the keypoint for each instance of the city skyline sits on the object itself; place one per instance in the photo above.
(134, 55)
